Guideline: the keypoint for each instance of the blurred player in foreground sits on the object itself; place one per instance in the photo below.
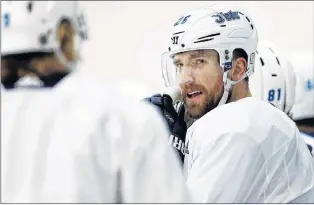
(274, 81)
(303, 110)
(78, 143)
(240, 149)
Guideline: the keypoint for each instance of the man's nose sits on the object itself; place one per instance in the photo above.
(186, 76)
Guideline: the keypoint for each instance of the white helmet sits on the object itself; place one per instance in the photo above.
(30, 26)
(274, 79)
(218, 27)
(304, 91)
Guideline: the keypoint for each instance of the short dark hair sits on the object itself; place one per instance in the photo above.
(240, 53)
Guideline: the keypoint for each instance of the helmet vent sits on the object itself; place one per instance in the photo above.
(271, 50)
(262, 62)
(30, 6)
(274, 75)
(278, 60)
(178, 33)
(222, 25)
(248, 19)
(211, 35)
(204, 40)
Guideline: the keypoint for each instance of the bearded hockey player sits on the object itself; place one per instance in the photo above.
(79, 143)
(240, 149)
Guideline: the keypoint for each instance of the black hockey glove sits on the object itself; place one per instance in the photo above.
(174, 119)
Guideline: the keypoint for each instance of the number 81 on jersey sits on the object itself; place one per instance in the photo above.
(274, 95)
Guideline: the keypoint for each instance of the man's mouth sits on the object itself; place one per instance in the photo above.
(193, 94)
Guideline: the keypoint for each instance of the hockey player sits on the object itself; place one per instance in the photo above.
(240, 149)
(79, 143)
(303, 109)
(274, 80)
(52, 50)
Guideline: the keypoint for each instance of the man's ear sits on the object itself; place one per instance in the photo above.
(238, 69)
(65, 35)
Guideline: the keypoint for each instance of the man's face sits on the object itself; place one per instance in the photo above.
(200, 78)
(43, 65)
(4, 68)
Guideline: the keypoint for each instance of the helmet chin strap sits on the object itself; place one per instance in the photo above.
(228, 85)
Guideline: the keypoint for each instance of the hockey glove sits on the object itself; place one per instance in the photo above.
(174, 119)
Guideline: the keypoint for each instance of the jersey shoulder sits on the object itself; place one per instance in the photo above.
(85, 102)
(246, 115)
(112, 97)
(254, 118)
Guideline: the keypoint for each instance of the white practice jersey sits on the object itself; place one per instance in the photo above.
(85, 144)
(248, 151)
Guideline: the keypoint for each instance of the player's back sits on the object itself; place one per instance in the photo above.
(282, 167)
(81, 145)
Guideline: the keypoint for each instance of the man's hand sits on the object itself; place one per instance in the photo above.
(175, 120)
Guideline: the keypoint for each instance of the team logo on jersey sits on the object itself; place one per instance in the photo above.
(178, 144)
(6, 19)
(229, 16)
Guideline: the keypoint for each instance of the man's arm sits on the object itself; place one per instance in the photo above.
(150, 170)
(159, 173)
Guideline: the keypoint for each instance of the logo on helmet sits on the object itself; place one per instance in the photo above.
(227, 66)
(182, 20)
(6, 18)
(309, 85)
(229, 16)
(252, 58)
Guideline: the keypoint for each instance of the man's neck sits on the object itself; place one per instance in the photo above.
(240, 91)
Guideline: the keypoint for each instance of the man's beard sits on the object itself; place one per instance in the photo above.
(196, 111)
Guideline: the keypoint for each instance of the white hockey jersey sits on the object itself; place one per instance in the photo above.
(84, 144)
(248, 151)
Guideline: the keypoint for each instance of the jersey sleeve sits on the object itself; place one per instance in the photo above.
(150, 170)
(229, 170)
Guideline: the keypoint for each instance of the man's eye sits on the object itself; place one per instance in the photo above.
(179, 65)
(200, 61)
